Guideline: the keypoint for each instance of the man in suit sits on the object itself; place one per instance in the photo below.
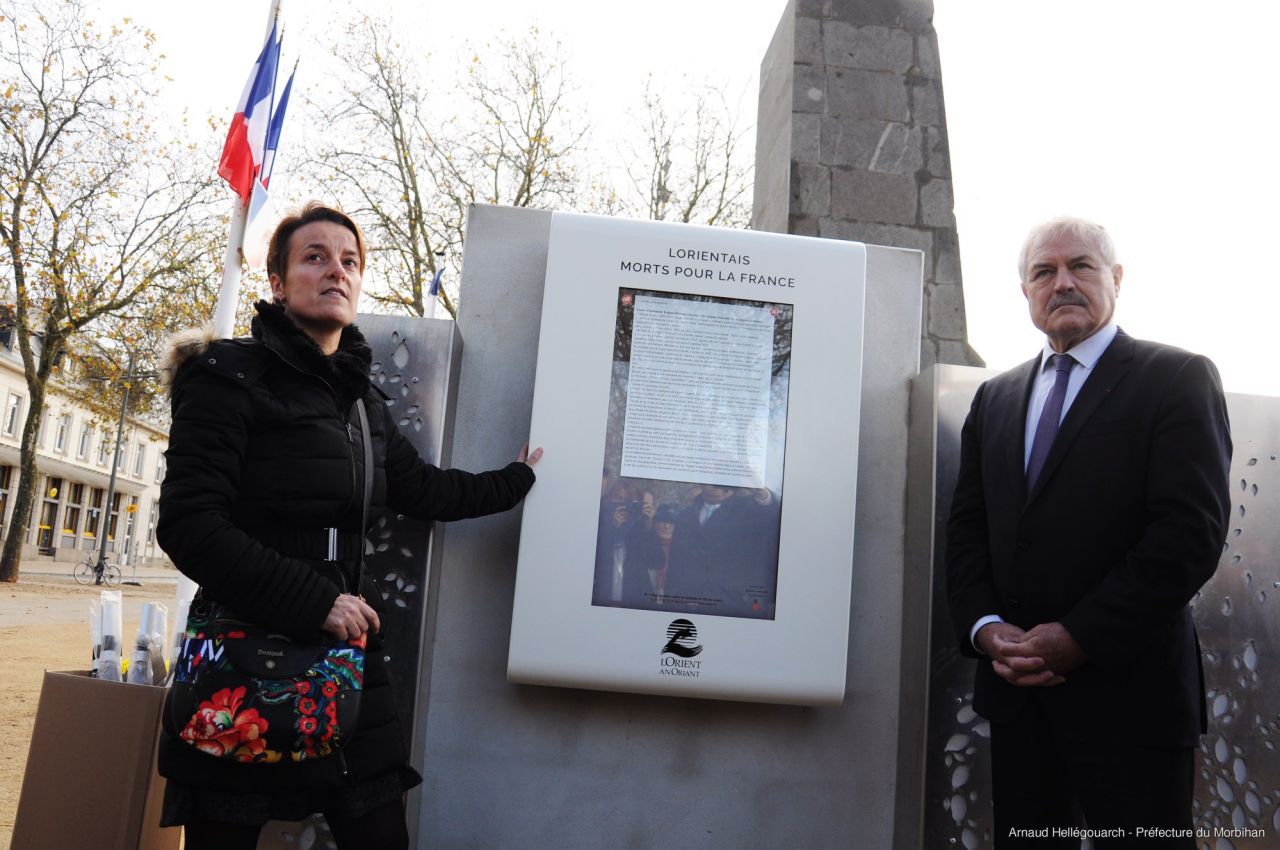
(1091, 505)
(724, 553)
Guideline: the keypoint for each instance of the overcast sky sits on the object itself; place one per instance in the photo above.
(1157, 119)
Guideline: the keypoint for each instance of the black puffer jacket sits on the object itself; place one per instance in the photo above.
(265, 452)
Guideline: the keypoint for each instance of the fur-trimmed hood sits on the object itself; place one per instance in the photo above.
(183, 346)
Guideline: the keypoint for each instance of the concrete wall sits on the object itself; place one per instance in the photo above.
(523, 766)
(852, 144)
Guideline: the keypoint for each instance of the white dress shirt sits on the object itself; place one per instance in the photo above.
(1086, 355)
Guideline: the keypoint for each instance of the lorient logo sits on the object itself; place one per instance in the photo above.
(682, 645)
(682, 639)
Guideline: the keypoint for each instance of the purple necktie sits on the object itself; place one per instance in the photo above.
(1047, 427)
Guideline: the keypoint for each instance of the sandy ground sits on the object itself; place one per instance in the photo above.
(44, 625)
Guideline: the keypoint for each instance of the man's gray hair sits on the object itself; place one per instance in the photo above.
(1086, 231)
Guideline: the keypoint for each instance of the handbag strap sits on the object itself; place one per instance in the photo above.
(367, 442)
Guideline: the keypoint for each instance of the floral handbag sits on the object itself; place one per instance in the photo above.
(244, 694)
(241, 693)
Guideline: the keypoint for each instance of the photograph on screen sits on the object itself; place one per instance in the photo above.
(691, 480)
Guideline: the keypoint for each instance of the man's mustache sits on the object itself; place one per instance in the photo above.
(1068, 299)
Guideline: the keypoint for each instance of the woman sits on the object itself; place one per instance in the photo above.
(648, 556)
(623, 508)
(265, 459)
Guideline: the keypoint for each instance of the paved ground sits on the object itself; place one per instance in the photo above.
(52, 595)
(50, 569)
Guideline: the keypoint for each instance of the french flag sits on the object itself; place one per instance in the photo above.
(261, 212)
(273, 132)
(243, 153)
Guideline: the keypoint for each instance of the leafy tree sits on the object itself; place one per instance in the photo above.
(97, 209)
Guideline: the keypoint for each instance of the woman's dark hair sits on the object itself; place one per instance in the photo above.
(278, 250)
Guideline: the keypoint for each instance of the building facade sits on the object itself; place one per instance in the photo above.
(70, 512)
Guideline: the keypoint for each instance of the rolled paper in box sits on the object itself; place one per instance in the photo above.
(155, 625)
(154, 617)
(187, 588)
(112, 631)
(140, 664)
(179, 626)
(182, 604)
(95, 634)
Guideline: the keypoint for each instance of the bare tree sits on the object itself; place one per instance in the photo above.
(376, 151)
(695, 163)
(96, 211)
(412, 172)
(407, 155)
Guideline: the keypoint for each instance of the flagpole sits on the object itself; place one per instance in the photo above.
(224, 314)
(276, 8)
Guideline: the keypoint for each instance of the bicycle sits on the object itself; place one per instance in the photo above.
(88, 571)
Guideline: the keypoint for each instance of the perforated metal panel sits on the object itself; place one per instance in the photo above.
(415, 364)
(1237, 797)
(1238, 618)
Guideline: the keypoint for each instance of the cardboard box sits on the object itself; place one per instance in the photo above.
(91, 776)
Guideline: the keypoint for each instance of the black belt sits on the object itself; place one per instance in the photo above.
(314, 544)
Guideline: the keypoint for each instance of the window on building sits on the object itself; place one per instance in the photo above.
(6, 476)
(139, 459)
(61, 439)
(93, 519)
(12, 414)
(160, 469)
(71, 368)
(122, 454)
(130, 526)
(44, 426)
(86, 437)
(44, 530)
(71, 516)
(49, 513)
(103, 447)
(151, 523)
(34, 517)
(114, 518)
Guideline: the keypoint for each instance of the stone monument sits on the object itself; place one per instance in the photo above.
(851, 143)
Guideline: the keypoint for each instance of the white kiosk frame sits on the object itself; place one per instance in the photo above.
(558, 637)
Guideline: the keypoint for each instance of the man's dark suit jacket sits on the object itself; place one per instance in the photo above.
(1125, 523)
(733, 558)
